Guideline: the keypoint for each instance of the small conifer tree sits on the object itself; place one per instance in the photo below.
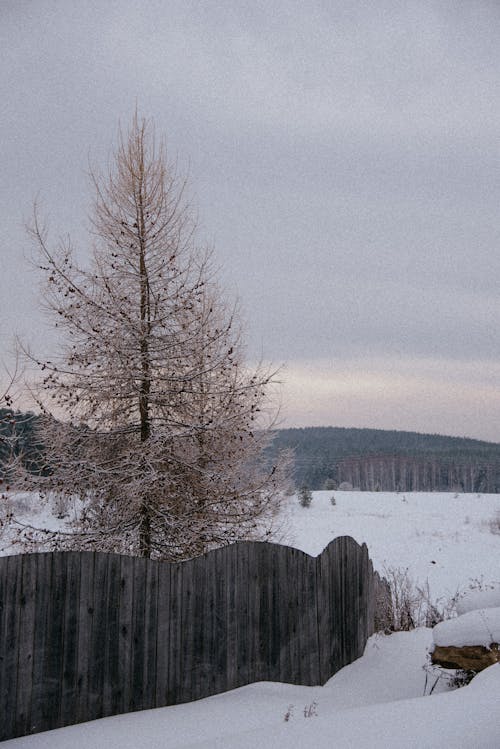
(305, 496)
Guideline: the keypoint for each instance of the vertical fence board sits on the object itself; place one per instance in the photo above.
(201, 635)
(112, 693)
(99, 624)
(150, 627)
(27, 617)
(125, 629)
(54, 651)
(5, 603)
(85, 618)
(253, 615)
(294, 614)
(230, 583)
(41, 706)
(187, 655)
(309, 646)
(283, 607)
(10, 654)
(219, 644)
(265, 655)
(138, 634)
(175, 643)
(243, 634)
(69, 686)
(163, 635)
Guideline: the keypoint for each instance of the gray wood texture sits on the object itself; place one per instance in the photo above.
(85, 634)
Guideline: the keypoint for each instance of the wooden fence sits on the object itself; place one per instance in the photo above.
(84, 635)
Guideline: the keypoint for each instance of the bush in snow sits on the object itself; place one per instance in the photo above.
(411, 605)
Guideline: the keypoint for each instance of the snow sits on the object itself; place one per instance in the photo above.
(480, 627)
(378, 701)
(441, 538)
(478, 599)
(375, 702)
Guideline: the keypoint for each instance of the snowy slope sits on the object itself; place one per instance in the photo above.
(443, 538)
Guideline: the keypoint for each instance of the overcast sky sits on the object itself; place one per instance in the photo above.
(344, 159)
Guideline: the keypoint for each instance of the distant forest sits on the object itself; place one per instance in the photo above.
(383, 460)
(328, 457)
(18, 440)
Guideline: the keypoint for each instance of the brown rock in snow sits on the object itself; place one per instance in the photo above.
(466, 657)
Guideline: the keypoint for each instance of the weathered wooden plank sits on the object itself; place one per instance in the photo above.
(211, 645)
(175, 641)
(231, 637)
(41, 705)
(125, 628)
(283, 601)
(138, 635)
(308, 633)
(150, 639)
(112, 693)
(25, 642)
(9, 724)
(187, 631)
(97, 652)
(219, 625)
(253, 615)
(344, 602)
(201, 666)
(324, 604)
(5, 604)
(163, 635)
(85, 629)
(266, 655)
(294, 615)
(54, 648)
(69, 684)
(242, 617)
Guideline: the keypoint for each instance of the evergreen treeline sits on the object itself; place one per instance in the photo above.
(368, 459)
(384, 460)
(18, 440)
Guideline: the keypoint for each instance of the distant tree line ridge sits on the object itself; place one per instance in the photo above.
(385, 460)
(365, 459)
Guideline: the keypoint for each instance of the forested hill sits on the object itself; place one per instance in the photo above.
(390, 460)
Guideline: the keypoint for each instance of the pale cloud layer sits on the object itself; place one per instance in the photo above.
(344, 158)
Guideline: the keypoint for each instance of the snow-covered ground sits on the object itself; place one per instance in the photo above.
(445, 539)
(376, 702)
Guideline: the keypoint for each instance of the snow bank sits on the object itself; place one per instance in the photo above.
(247, 718)
(481, 627)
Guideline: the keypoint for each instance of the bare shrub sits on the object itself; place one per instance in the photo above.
(411, 605)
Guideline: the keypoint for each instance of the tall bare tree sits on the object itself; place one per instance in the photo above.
(157, 431)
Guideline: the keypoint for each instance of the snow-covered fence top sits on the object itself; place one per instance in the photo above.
(85, 634)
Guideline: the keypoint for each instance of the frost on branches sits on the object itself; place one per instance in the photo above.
(159, 429)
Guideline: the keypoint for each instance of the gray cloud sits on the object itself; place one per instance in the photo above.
(344, 160)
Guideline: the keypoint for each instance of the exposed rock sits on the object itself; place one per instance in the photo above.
(466, 657)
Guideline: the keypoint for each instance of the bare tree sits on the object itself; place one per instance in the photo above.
(157, 431)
